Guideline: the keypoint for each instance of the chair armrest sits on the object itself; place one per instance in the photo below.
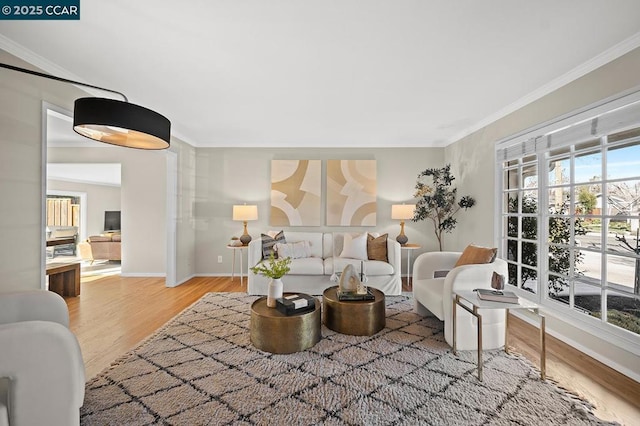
(427, 263)
(469, 277)
(33, 305)
(46, 374)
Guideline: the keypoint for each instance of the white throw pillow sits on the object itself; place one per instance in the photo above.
(355, 247)
(297, 250)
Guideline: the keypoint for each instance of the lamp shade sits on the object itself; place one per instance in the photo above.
(121, 123)
(402, 211)
(245, 212)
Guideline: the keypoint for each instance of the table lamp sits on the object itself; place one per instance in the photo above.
(402, 212)
(245, 213)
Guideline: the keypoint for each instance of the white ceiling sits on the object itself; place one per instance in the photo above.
(310, 73)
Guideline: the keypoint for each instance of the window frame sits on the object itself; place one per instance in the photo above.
(531, 142)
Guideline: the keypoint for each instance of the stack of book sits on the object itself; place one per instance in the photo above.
(296, 304)
(354, 295)
(497, 296)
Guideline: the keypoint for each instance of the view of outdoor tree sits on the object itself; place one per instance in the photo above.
(559, 237)
(587, 200)
(624, 196)
(559, 256)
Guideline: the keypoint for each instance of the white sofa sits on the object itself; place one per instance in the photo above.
(434, 296)
(312, 275)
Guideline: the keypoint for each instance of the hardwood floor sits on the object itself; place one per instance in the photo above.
(113, 315)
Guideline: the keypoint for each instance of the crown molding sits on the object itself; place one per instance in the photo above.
(34, 59)
(598, 61)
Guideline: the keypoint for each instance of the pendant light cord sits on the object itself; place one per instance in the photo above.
(65, 80)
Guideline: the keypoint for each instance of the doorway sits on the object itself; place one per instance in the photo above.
(78, 196)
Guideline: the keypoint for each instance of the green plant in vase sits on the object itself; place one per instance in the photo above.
(273, 268)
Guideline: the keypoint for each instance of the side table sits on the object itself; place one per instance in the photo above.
(354, 317)
(409, 248)
(64, 278)
(272, 331)
(233, 264)
(476, 303)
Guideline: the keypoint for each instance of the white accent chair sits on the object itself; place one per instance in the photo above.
(434, 296)
(42, 375)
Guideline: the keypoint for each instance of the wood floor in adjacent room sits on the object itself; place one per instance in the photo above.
(113, 315)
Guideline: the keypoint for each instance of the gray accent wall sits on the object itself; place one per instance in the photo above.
(228, 176)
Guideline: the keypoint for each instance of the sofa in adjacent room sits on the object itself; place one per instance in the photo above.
(316, 256)
(101, 247)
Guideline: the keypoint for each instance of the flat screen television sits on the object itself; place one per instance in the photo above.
(112, 221)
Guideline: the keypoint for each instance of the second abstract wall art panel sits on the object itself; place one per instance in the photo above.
(351, 192)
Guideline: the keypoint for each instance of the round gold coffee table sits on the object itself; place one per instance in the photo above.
(355, 317)
(275, 332)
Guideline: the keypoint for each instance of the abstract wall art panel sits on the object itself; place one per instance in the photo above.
(296, 192)
(351, 193)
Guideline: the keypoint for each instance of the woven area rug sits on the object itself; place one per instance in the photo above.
(201, 369)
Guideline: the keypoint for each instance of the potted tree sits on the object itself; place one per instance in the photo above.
(437, 200)
(274, 269)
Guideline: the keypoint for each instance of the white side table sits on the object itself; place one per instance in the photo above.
(477, 303)
(233, 265)
(409, 248)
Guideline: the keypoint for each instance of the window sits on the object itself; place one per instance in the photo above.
(570, 215)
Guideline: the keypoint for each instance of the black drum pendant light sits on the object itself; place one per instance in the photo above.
(121, 123)
(112, 121)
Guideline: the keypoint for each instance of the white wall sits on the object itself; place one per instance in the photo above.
(100, 198)
(143, 202)
(185, 220)
(234, 176)
(21, 173)
(473, 162)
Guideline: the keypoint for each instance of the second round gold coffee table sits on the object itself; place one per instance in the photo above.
(354, 317)
(275, 332)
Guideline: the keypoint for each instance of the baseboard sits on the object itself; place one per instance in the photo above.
(224, 274)
(143, 274)
(634, 375)
(185, 280)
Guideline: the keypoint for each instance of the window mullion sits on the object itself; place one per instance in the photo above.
(604, 232)
(572, 235)
(543, 227)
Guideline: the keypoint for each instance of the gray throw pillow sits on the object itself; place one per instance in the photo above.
(268, 243)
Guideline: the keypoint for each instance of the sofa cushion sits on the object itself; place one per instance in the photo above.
(371, 267)
(297, 250)
(377, 247)
(305, 266)
(268, 244)
(355, 247)
(99, 238)
(473, 255)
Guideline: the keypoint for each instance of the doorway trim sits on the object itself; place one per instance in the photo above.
(172, 219)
